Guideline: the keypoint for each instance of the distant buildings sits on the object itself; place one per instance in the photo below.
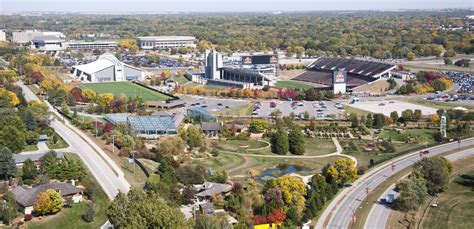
(48, 43)
(107, 69)
(26, 36)
(92, 44)
(165, 42)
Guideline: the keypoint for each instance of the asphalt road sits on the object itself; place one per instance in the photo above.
(340, 210)
(106, 172)
(380, 212)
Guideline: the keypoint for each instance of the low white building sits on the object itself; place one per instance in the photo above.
(47, 43)
(3, 37)
(107, 69)
(91, 44)
(165, 42)
(26, 36)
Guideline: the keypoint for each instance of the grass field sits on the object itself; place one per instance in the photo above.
(59, 144)
(424, 135)
(243, 110)
(72, 217)
(292, 84)
(127, 89)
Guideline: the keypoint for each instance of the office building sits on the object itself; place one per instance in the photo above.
(47, 43)
(92, 44)
(165, 42)
(3, 36)
(26, 36)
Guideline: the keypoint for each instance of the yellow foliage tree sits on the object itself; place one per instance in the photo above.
(434, 118)
(11, 96)
(346, 170)
(293, 190)
(89, 94)
(48, 202)
(105, 98)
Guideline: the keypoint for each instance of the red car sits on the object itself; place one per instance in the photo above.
(273, 104)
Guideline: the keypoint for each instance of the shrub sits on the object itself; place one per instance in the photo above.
(28, 217)
(89, 213)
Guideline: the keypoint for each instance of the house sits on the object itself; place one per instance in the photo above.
(208, 189)
(211, 129)
(35, 157)
(26, 197)
(206, 208)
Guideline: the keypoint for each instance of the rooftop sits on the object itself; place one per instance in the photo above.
(152, 123)
(210, 188)
(47, 38)
(166, 38)
(27, 196)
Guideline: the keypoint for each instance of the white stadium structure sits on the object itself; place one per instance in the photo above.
(107, 68)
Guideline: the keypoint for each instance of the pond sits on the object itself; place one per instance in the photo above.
(279, 171)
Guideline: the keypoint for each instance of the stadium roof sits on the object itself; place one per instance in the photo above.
(357, 67)
(152, 123)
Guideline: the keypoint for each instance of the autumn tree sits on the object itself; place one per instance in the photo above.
(258, 126)
(293, 191)
(48, 202)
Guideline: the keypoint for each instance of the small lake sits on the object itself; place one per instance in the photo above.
(279, 171)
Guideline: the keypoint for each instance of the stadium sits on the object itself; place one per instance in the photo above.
(321, 72)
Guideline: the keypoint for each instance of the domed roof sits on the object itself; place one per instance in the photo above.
(111, 58)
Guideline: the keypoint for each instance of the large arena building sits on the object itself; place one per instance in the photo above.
(107, 68)
(324, 72)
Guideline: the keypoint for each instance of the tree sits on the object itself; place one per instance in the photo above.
(89, 214)
(379, 121)
(293, 191)
(30, 121)
(28, 170)
(8, 208)
(407, 115)
(48, 202)
(411, 56)
(258, 126)
(448, 61)
(193, 137)
(89, 94)
(171, 146)
(273, 200)
(296, 141)
(417, 114)
(435, 172)
(345, 169)
(412, 194)
(138, 209)
(64, 107)
(7, 163)
(394, 116)
(279, 142)
(369, 121)
(354, 120)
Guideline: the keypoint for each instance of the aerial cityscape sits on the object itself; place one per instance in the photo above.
(243, 114)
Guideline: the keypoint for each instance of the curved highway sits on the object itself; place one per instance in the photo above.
(340, 211)
(380, 213)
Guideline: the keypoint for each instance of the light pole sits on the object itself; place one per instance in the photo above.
(113, 143)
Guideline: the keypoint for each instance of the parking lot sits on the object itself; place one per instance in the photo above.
(316, 109)
(387, 106)
(213, 104)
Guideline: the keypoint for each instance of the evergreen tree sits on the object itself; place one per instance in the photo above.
(279, 142)
(28, 170)
(369, 121)
(7, 163)
(296, 141)
(30, 121)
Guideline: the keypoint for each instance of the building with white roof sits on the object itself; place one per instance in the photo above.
(3, 37)
(165, 42)
(47, 43)
(92, 44)
(107, 68)
(26, 36)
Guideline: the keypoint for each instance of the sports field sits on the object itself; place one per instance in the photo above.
(128, 89)
(292, 84)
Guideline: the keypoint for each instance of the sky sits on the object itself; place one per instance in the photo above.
(123, 6)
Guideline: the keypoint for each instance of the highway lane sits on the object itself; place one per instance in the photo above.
(380, 213)
(341, 209)
(106, 172)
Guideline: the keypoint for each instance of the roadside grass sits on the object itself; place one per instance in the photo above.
(59, 144)
(293, 84)
(72, 217)
(442, 68)
(30, 148)
(129, 90)
(456, 204)
(180, 79)
(133, 174)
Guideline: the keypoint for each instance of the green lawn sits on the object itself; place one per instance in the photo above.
(180, 79)
(319, 146)
(234, 145)
(221, 162)
(422, 135)
(127, 89)
(243, 110)
(59, 144)
(30, 148)
(72, 217)
(292, 84)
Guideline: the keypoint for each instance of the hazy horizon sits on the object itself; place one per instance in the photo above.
(122, 6)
